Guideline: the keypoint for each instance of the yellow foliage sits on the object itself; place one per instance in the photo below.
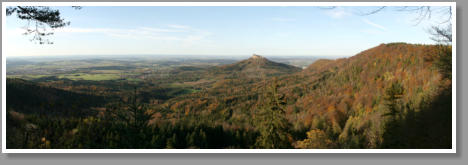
(316, 138)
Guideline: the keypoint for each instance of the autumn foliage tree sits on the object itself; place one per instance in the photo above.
(316, 139)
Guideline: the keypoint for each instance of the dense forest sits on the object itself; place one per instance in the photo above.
(394, 95)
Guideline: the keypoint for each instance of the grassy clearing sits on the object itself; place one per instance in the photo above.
(106, 71)
(134, 79)
(93, 77)
(178, 85)
(27, 76)
(193, 90)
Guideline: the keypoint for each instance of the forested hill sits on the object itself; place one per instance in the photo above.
(346, 103)
(394, 95)
(30, 98)
(353, 99)
(255, 67)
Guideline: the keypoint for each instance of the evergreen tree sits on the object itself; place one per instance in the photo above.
(393, 94)
(272, 123)
(136, 118)
(394, 136)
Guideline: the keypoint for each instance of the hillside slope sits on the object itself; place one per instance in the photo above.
(345, 100)
(248, 71)
(30, 98)
(255, 67)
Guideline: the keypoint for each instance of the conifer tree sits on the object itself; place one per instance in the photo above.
(393, 94)
(272, 123)
(136, 117)
(393, 137)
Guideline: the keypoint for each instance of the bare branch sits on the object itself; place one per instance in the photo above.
(374, 11)
(441, 35)
(449, 16)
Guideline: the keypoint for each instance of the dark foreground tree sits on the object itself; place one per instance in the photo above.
(272, 123)
(393, 94)
(135, 116)
(443, 57)
(41, 21)
(430, 125)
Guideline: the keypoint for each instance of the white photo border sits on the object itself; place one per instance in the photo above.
(454, 82)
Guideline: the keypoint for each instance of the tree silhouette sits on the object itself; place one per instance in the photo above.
(423, 12)
(136, 117)
(41, 21)
(443, 57)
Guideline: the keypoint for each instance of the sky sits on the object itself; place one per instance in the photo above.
(223, 31)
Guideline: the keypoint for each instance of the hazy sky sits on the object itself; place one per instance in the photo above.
(270, 31)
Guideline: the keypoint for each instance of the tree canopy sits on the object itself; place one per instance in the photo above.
(41, 21)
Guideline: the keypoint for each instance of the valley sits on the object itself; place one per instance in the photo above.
(383, 97)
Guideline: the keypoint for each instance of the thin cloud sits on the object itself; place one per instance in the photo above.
(161, 30)
(114, 30)
(180, 33)
(85, 30)
(175, 26)
(374, 24)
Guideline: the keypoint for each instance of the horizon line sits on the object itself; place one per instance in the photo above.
(193, 55)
